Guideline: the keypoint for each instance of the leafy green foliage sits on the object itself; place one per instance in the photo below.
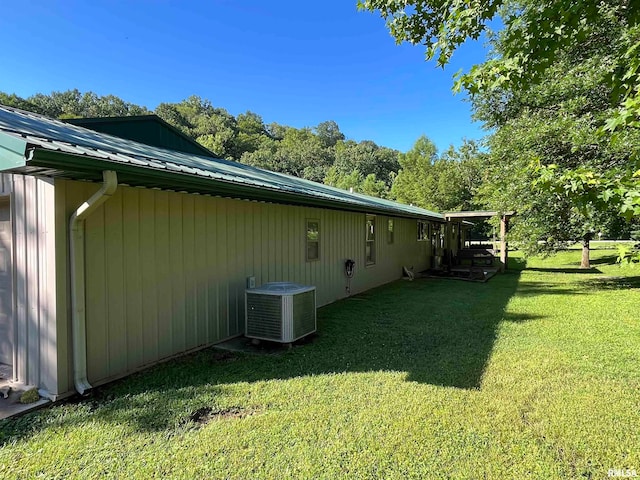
(549, 159)
(251, 133)
(596, 43)
(368, 159)
(300, 152)
(364, 167)
(441, 183)
(440, 25)
(627, 255)
(304, 152)
(410, 184)
(30, 396)
(552, 212)
(356, 182)
(12, 100)
(74, 104)
(321, 154)
(329, 133)
(213, 127)
(534, 34)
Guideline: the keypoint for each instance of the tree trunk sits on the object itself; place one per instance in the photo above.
(585, 263)
(504, 248)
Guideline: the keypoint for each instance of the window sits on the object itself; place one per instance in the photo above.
(423, 230)
(313, 240)
(370, 247)
(390, 230)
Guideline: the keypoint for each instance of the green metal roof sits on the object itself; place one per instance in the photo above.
(38, 145)
(147, 129)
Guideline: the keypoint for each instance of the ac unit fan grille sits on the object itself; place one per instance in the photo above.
(264, 316)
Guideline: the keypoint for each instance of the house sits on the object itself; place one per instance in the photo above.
(117, 254)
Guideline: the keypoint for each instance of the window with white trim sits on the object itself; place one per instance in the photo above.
(370, 246)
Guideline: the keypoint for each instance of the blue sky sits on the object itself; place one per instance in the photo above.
(295, 63)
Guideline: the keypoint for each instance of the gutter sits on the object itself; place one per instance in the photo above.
(77, 267)
(68, 165)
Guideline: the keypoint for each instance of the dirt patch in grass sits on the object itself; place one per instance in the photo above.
(224, 356)
(204, 415)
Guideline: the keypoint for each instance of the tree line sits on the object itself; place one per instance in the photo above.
(422, 176)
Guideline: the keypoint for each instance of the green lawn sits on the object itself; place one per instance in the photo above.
(533, 374)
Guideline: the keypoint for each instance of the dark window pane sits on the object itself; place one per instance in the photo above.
(313, 251)
(371, 228)
(313, 239)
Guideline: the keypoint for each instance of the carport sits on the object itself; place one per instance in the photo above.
(472, 253)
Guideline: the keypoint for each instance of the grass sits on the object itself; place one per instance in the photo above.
(534, 374)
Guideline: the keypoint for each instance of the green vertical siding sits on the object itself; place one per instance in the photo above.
(167, 270)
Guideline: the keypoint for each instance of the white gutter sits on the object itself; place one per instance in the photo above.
(77, 266)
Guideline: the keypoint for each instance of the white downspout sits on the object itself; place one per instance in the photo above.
(77, 266)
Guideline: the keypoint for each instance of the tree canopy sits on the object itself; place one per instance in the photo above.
(534, 33)
(559, 91)
(549, 155)
(441, 183)
(74, 104)
(321, 153)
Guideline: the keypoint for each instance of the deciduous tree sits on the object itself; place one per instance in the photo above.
(535, 37)
(441, 183)
(213, 127)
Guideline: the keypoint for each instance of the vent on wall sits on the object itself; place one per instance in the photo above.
(280, 312)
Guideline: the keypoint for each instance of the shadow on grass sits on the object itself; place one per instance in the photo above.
(605, 260)
(438, 332)
(530, 289)
(614, 283)
(565, 270)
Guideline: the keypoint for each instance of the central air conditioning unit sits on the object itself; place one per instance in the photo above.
(280, 312)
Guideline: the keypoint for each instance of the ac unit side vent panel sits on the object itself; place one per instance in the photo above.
(304, 314)
(264, 316)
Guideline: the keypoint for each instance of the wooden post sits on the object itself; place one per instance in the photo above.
(504, 249)
(586, 263)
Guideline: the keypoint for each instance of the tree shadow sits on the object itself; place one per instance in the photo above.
(565, 270)
(606, 260)
(517, 264)
(530, 289)
(438, 332)
(614, 283)
(521, 317)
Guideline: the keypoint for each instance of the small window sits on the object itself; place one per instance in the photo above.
(423, 231)
(313, 240)
(390, 230)
(370, 248)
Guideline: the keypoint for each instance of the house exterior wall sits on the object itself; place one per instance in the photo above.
(35, 344)
(166, 271)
